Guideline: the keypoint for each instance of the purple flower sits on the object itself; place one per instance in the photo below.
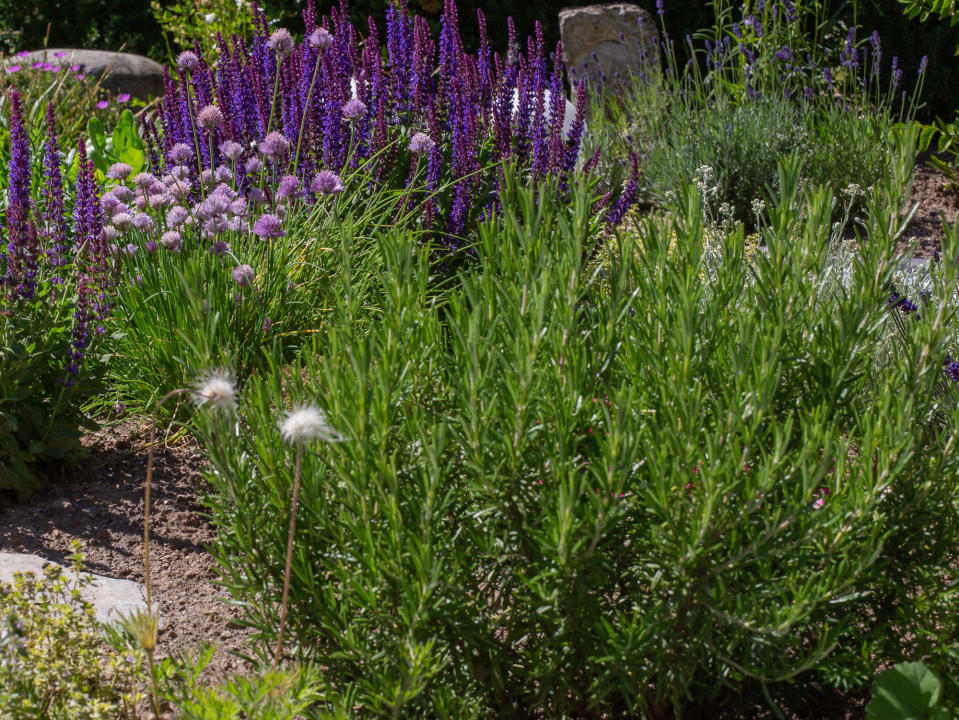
(243, 275)
(320, 39)
(180, 153)
(326, 182)
(143, 223)
(171, 240)
(253, 166)
(354, 110)
(144, 180)
(267, 226)
(59, 54)
(119, 171)
(923, 64)
(289, 187)
(421, 143)
(281, 42)
(659, 7)
(187, 61)
(12, 68)
(130, 250)
(150, 246)
(275, 145)
(123, 97)
(23, 53)
(210, 118)
(231, 150)
(267, 325)
(103, 104)
(122, 221)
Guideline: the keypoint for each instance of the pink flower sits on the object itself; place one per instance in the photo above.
(13, 68)
(76, 68)
(37, 65)
(187, 61)
(103, 104)
(281, 42)
(59, 54)
(210, 117)
(353, 110)
(123, 97)
(23, 53)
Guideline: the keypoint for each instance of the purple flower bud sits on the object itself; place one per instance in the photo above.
(281, 42)
(421, 144)
(267, 325)
(354, 110)
(923, 64)
(326, 182)
(119, 171)
(210, 117)
(268, 226)
(187, 61)
(130, 250)
(243, 275)
(151, 246)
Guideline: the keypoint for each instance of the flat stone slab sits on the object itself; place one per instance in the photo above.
(111, 597)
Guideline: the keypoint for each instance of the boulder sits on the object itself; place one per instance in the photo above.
(111, 597)
(137, 75)
(609, 44)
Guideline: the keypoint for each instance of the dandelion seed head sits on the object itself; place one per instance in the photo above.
(308, 423)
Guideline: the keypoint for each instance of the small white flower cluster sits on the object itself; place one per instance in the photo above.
(704, 179)
(758, 206)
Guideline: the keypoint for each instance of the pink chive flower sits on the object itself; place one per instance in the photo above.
(119, 171)
(171, 240)
(354, 110)
(243, 275)
(268, 226)
(231, 150)
(281, 42)
(181, 152)
(187, 61)
(289, 187)
(320, 39)
(326, 182)
(210, 117)
(275, 145)
(421, 143)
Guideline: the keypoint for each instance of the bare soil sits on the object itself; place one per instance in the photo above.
(100, 503)
(936, 200)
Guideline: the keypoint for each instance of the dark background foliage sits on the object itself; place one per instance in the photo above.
(109, 24)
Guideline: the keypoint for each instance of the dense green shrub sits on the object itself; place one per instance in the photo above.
(633, 489)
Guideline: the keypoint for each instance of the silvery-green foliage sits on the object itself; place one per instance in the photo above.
(566, 490)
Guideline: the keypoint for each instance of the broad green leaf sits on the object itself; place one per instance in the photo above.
(909, 691)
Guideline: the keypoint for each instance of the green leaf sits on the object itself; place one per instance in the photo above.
(909, 691)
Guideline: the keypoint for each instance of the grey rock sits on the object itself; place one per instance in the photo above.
(119, 72)
(609, 44)
(111, 597)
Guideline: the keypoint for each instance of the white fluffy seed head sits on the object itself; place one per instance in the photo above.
(216, 389)
(307, 423)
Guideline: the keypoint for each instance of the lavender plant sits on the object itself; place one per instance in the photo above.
(57, 291)
(767, 78)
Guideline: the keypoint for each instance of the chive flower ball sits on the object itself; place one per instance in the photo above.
(421, 144)
(267, 226)
(119, 171)
(354, 110)
(326, 182)
(187, 61)
(320, 39)
(274, 145)
(281, 42)
(243, 275)
(210, 117)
